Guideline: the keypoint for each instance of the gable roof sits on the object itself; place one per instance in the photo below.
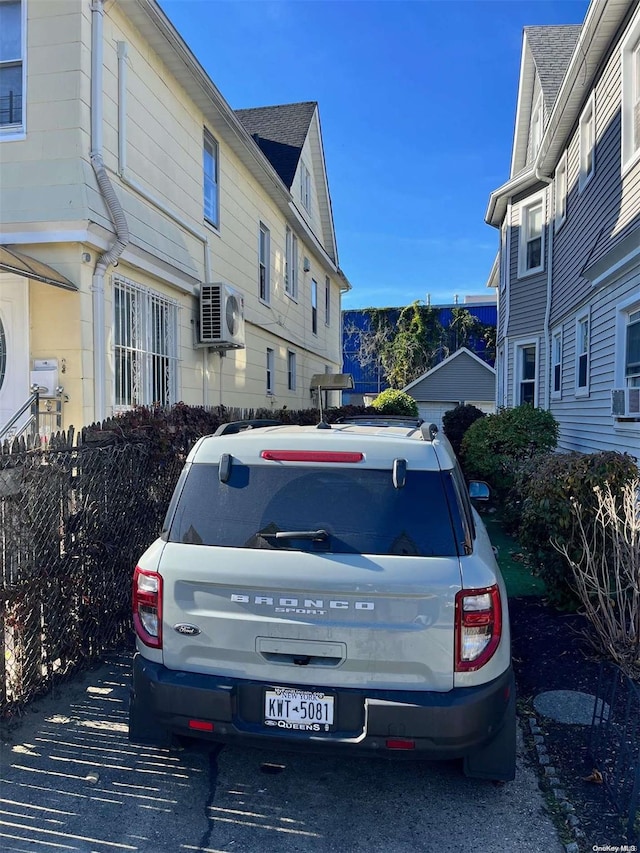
(597, 34)
(280, 132)
(552, 49)
(463, 351)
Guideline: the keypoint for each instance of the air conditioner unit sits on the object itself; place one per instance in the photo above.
(625, 402)
(221, 316)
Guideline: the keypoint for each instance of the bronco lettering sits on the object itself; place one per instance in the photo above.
(292, 604)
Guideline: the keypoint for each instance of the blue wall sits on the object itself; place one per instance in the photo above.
(369, 379)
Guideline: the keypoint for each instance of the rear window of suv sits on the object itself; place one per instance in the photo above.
(360, 511)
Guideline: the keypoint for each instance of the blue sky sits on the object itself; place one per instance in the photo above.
(417, 104)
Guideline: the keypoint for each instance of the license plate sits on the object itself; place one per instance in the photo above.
(298, 710)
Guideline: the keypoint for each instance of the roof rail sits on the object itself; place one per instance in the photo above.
(240, 426)
(429, 431)
(381, 420)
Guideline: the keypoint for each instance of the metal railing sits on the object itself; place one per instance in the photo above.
(614, 744)
(44, 419)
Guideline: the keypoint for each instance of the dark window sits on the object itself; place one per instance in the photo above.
(361, 510)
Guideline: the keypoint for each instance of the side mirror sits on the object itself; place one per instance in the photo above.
(479, 490)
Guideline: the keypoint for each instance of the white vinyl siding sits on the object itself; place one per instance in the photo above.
(264, 264)
(560, 193)
(211, 172)
(536, 127)
(631, 95)
(583, 338)
(587, 130)
(13, 75)
(145, 347)
(531, 248)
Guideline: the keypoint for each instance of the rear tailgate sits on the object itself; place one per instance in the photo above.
(330, 619)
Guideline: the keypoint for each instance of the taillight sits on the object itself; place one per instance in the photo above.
(312, 456)
(478, 627)
(147, 607)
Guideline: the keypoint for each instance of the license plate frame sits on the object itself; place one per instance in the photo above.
(298, 709)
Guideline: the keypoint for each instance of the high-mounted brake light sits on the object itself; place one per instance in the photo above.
(147, 607)
(478, 627)
(311, 456)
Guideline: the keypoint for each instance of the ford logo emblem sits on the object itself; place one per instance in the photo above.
(189, 630)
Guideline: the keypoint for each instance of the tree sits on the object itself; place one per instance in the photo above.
(404, 345)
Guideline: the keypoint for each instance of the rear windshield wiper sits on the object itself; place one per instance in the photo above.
(315, 535)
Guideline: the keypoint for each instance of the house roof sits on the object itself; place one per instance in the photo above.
(280, 132)
(552, 49)
(601, 24)
(462, 352)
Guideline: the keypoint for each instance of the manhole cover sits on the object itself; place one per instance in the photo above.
(568, 706)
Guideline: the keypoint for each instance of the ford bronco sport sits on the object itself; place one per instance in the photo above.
(319, 587)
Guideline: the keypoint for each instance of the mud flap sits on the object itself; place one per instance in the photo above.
(143, 729)
(497, 760)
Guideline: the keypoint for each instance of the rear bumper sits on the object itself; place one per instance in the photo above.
(442, 725)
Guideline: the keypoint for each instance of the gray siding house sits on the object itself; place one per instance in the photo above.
(568, 269)
(460, 378)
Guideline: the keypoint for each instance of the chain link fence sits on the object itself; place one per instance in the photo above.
(73, 521)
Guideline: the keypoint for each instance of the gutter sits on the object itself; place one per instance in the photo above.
(110, 257)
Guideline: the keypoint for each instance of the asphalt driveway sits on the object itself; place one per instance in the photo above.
(71, 781)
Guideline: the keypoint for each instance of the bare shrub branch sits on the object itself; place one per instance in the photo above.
(606, 574)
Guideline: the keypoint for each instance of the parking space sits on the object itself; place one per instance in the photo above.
(71, 781)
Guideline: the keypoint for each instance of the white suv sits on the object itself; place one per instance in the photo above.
(319, 587)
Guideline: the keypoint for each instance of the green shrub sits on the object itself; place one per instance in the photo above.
(494, 446)
(546, 490)
(457, 421)
(394, 402)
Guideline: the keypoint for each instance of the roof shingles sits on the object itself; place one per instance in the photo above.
(552, 49)
(280, 132)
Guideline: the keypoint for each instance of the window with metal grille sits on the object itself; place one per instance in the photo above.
(12, 71)
(145, 326)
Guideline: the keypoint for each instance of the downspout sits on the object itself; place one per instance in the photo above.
(153, 200)
(547, 311)
(115, 211)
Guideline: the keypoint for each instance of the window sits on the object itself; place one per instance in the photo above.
(145, 351)
(526, 374)
(631, 95)
(270, 376)
(305, 187)
(531, 238)
(327, 301)
(291, 371)
(536, 128)
(12, 66)
(210, 165)
(556, 363)
(582, 355)
(560, 210)
(314, 306)
(264, 254)
(632, 350)
(291, 264)
(587, 144)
